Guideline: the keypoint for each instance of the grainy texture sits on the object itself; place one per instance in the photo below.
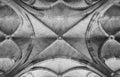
(66, 38)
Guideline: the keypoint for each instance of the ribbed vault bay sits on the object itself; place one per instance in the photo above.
(49, 43)
(14, 37)
(104, 37)
(63, 38)
(17, 32)
(9, 23)
(58, 67)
